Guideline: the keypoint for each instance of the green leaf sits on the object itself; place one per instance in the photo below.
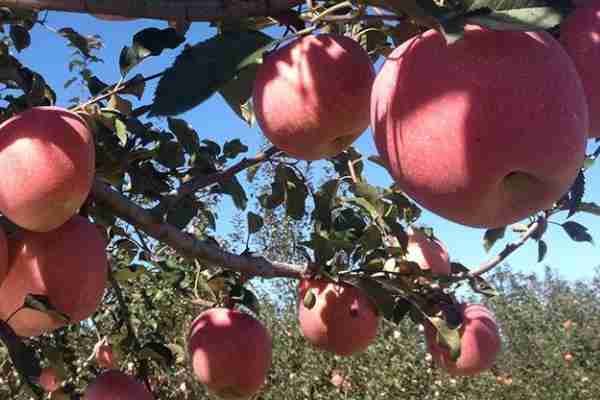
(310, 299)
(95, 85)
(296, 194)
(233, 188)
(245, 297)
(577, 232)
(542, 250)
(185, 134)
(369, 193)
(448, 337)
(233, 148)
(238, 91)
(576, 193)
(148, 42)
(170, 154)
(20, 37)
(482, 286)
(365, 205)
(204, 68)
(158, 352)
(591, 208)
(523, 19)
(41, 303)
(23, 357)
(183, 212)
(76, 40)
(381, 298)
(371, 238)
(121, 131)
(325, 201)
(126, 274)
(491, 236)
(255, 222)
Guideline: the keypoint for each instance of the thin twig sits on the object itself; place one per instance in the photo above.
(204, 181)
(507, 251)
(116, 90)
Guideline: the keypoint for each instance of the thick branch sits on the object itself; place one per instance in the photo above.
(206, 180)
(190, 10)
(185, 243)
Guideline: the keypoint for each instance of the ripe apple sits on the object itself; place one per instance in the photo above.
(49, 380)
(480, 343)
(230, 351)
(3, 255)
(115, 385)
(48, 154)
(311, 97)
(483, 132)
(568, 357)
(104, 355)
(580, 36)
(430, 254)
(343, 320)
(68, 265)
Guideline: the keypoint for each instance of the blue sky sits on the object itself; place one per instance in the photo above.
(213, 120)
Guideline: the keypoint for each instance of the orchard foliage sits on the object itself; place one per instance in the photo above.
(482, 114)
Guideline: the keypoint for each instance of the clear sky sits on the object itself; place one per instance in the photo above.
(213, 120)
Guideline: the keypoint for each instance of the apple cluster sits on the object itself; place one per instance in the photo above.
(484, 132)
(58, 254)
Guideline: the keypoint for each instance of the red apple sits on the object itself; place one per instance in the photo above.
(580, 36)
(68, 265)
(104, 355)
(429, 254)
(311, 97)
(483, 132)
(3, 255)
(48, 156)
(49, 380)
(480, 343)
(230, 351)
(343, 319)
(115, 385)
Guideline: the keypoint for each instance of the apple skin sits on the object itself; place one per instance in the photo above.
(104, 355)
(580, 36)
(483, 132)
(343, 319)
(50, 154)
(311, 97)
(429, 254)
(480, 343)
(231, 352)
(3, 255)
(49, 380)
(115, 385)
(68, 265)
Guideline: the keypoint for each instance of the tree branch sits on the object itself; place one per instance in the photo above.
(181, 10)
(508, 250)
(203, 181)
(188, 245)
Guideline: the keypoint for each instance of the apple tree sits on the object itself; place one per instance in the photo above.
(114, 277)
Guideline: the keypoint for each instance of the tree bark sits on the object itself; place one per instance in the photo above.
(187, 10)
(186, 244)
